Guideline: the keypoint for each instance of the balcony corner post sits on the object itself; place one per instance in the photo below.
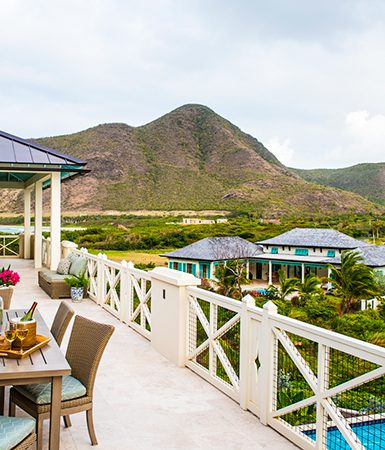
(245, 368)
(267, 356)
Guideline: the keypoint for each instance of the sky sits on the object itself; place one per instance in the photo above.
(305, 77)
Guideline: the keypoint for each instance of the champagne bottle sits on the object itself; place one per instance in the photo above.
(29, 315)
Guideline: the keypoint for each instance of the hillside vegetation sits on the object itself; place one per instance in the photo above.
(367, 180)
(191, 158)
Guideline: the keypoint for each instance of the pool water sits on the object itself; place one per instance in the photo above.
(371, 434)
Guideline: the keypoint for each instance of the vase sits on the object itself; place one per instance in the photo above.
(77, 294)
(6, 293)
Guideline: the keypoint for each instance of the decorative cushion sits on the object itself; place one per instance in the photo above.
(78, 266)
(64, 266)
(41, 393)
(14, 430)
(72, 257)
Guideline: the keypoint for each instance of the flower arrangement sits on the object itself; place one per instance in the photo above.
(8, 277)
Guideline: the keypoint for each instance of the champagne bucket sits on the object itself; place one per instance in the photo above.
(30, 340)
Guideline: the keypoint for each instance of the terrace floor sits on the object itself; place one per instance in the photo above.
(142, 401)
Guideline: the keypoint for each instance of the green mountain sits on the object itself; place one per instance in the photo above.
(191, 158)
(367, 179)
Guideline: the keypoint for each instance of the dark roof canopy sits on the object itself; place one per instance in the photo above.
(315, 237)
(21, 159)
(217, 249)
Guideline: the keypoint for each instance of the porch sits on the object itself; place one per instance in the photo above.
(143, 401)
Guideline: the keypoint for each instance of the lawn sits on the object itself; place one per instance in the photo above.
(137, 257)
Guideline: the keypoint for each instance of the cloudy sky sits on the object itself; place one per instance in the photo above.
(307, 78)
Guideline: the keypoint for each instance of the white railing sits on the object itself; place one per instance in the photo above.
(318, 388)
(45, 251)
(121, 289)
(9, 246)
(314, 386)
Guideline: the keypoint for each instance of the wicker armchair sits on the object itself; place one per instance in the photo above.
(27, 443)
(61, 321)
(85, 349)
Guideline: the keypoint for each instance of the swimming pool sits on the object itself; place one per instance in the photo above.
(371, 434)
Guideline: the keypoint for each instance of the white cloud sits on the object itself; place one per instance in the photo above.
(281, 149)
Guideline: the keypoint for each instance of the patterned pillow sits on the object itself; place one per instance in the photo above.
(64, 266)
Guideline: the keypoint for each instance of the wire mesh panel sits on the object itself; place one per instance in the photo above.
(140, 301)
(214, 341)
(327, 397)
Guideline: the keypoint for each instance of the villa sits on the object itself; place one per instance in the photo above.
(297, 252)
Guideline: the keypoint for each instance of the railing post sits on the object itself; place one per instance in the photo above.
(267, 355)
(245, 362)
(68, 247)
(169, 312)
(100, 279)
(124, 292)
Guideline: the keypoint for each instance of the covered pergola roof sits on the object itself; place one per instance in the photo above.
(22, 161)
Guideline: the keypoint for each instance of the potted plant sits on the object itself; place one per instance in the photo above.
(77, 285)
(8, 279)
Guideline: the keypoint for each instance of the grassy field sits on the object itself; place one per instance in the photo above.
(137, 257)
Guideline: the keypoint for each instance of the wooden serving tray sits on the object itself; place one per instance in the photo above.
(41, 341)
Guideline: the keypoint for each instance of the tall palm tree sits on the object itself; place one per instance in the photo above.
(353, 281)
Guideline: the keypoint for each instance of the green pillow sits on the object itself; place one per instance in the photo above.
(78, 266)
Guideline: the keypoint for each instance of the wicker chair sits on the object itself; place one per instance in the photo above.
(61, 321)
(85, 349)
(16, 433)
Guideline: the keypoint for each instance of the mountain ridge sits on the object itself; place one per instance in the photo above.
(189, 158)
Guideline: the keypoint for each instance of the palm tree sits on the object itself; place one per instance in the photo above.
(286, 287)
(353, 281)
(309, 287)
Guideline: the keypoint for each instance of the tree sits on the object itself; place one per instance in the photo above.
(309, 288)
(286, 287)
(353, 281)
(231, 275)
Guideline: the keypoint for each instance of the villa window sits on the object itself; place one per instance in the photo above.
(301, 251)
(189, 268)
(274, 250)
(175, 266)
(331, 253)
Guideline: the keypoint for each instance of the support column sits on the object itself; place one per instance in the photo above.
(329, 283)
(302, 272)
(270, 273)
(55, 219)
(38, 223)
(27, 223)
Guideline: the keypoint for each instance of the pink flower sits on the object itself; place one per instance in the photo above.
(9, 278)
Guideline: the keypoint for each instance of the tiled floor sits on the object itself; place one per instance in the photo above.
(142, 401)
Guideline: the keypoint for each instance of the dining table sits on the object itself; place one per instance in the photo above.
(45, 365)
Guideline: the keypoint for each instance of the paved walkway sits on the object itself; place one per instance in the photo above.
(142, 401)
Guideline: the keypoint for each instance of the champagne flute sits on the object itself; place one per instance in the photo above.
(10, 335)
(21, 334)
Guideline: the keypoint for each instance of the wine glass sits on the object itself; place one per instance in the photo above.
(21, 334)
(10, 335)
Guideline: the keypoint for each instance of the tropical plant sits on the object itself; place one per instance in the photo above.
(309, 288)
(77, 282)
(286, 287)
(353, 281)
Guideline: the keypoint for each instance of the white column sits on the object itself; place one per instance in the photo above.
(169, 313)
(38, 223)
(270, 273)
(55, 219)
(302, 272)
(27, 223)
(329, 283)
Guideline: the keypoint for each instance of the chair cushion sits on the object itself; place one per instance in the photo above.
(50, 275)
(64, 266)
(78, 266)
(14, 430)
(41, 393)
